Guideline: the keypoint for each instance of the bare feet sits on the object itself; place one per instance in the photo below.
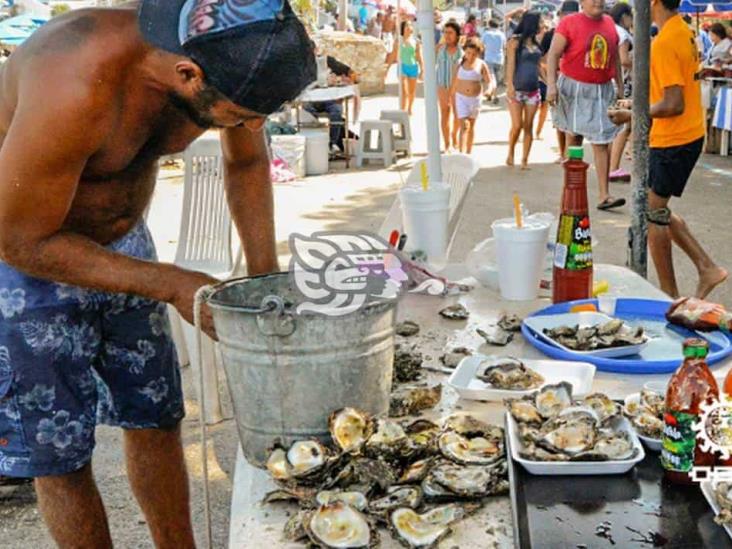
(710, 279)
(559, 160)
(510, 161)
(525, 165)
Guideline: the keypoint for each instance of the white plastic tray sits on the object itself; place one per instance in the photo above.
(653, 444)
(578, 374)
(707, 488)
(576, 467)
(538, 324)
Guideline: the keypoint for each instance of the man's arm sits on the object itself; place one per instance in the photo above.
(559, 44)
(41, 161)
(671, 105)
(249, 193)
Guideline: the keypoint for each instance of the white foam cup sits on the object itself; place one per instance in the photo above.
(425, 216)
(520, 257)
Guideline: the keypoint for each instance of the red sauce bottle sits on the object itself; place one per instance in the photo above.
(690, 386)
(572, 274)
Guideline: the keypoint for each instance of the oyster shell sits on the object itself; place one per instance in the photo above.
(510, 323)
(569, 436)
(616, 448)
(537, 453)
(648, 425)
(278, 466)
(605, 407)
(355, 499)
(411, 401)
(364, 474)
(407, 363)
(561, 331)
(350, 429)
(509, 373)
(408, 328)
(495, 335)
(417, 471)
(552, 399)
(423, 435)
(452, 358)
(455, 312)
(523, 410)
(426, 530)
(528, 433)
(471, 481)
(389, 441)
(292, 493)
(294, 528)
(470, 451)
(611, 327)
(397, 496)
(724, 498)
(306, 458)
(654, 402)
(339, 525)
(468, 425)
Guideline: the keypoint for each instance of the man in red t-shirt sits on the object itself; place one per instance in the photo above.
(587, 45)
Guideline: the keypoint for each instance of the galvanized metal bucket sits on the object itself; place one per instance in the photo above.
(288, 372)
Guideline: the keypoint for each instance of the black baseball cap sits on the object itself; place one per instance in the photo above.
(256, 52)
(569, 6)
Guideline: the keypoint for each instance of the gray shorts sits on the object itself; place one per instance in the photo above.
(582, 110)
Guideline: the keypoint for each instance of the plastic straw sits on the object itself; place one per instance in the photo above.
(517, 211)
(425, 179)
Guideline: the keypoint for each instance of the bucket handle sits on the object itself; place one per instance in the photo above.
(271, 317)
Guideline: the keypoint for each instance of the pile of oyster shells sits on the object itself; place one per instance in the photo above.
(553, 427)
(646, 415)
(416, 478)
(723, 495)
(508, 373)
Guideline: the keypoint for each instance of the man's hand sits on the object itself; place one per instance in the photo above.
(625, 104)
(551, 95)
(619, 116)
(183, 300)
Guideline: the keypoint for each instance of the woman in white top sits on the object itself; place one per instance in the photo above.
(720, 52)
(622, 14)
(467, 88)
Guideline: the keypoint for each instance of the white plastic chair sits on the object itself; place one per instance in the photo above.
(458, 171)
(204, 245)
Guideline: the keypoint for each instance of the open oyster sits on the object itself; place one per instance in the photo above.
(537, 453)
(569, 435)
(423, 435)
(355, 499)
(603, 405)
(303, 459)
(471, 481)
(408, 328)
(468, 425)
(611, 327)
(616, 448)
(423, 531)
(509, 373)
(470, 450)
(389, 441)
(417, 471)
(653, 402)
(397, 496)
(339, 525)
(613, 333)
(552, 399)
(411, 401)
(523, 410)
(350, 429)
(278, 466)
(510, 323)
(648, 425)
(455, 312)
(453, 357)
(363, 475)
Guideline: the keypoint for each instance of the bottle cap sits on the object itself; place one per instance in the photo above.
(576, 153)
(696, 348)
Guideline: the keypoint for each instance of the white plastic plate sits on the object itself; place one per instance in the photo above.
(707, 488)
(538, 324)
(576, 467)
(653, 444)
(468, 386)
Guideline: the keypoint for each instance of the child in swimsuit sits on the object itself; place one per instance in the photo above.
(467, 86)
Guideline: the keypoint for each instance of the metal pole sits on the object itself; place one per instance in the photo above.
(426, 24)
(638, 232)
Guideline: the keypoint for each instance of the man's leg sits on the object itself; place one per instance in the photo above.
(157, 472)
(73, 511)
(660, 244)
(710, 274)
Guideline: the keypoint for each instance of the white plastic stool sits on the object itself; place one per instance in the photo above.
(402, 137)
(384, 149)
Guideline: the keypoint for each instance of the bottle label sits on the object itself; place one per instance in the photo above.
(574, 243)
(679, 441)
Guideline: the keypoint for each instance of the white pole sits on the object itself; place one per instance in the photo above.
(426, 25)
(399, 50)
(342, 14)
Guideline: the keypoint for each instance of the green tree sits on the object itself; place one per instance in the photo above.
(58, 9)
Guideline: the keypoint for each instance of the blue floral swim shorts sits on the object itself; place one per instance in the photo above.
(71, 358)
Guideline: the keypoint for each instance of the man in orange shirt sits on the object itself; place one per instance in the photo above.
(677, 139)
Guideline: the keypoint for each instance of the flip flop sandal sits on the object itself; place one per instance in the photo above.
(611, 203)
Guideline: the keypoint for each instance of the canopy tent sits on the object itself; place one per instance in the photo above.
(16, 30)
(701, 7)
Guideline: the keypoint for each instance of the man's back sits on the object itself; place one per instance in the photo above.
(675, 62)
(495, 42)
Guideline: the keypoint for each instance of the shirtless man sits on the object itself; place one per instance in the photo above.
(87, 106)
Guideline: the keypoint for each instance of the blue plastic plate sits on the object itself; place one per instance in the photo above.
(662, 355)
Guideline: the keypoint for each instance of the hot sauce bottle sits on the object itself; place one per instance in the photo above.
(572, 273)
(690, 386)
